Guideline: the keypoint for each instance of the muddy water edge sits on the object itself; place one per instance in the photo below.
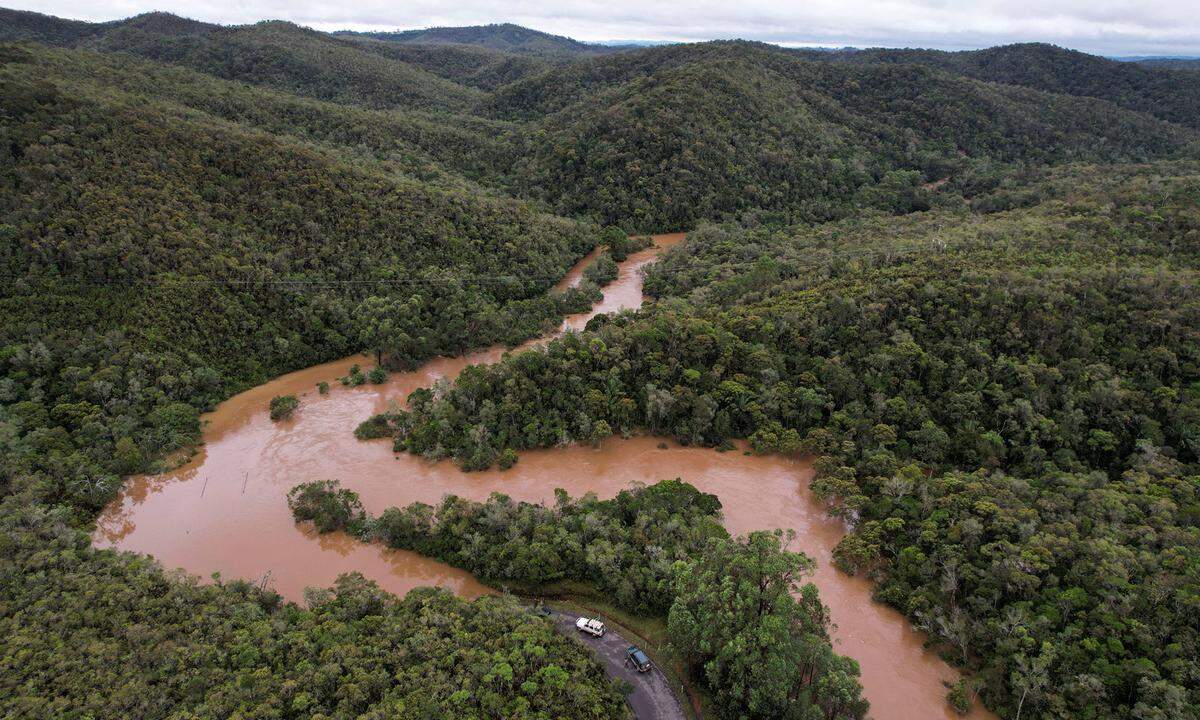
(225, 510)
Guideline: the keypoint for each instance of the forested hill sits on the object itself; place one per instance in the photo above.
(654, 139)
(470, 65)
(273, 54)
(1188, 64)
(26, 25)
(663, 136)
(504, 36)
(1158, 91)
(175, 217)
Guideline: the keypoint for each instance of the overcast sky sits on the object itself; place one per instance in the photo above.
(1110, 27)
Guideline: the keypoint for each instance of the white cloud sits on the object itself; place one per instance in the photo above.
(1101, 26)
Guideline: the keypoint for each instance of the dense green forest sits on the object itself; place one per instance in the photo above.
(1160, 92)
(965, 281)
(1006, 405)
(167, 258)
(1173, 63)
(656, 550)
(664, 137)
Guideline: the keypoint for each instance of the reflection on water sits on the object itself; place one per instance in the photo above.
(225, 510)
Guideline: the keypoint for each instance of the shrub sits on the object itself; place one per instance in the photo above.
(959, 697)
(354, 378)
(282, 406)
(602, 271)
(374, 427)
(329, 506)
(507, 459)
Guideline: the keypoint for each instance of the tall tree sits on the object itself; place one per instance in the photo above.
(758, 638)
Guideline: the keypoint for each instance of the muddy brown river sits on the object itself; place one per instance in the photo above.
(225, 510)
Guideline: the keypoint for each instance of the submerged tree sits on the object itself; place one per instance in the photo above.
(282, 406)
(329, 506)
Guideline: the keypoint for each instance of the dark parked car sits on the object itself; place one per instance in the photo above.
(635, 655)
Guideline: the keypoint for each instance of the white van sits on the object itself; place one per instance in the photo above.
(591, 626)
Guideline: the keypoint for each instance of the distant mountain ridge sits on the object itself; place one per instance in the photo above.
(501, 36)
(275, 54)
(1154, 88)
(1189, 64)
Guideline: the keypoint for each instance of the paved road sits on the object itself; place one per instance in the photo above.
(652, 698)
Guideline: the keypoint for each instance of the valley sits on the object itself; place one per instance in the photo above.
(906, 425)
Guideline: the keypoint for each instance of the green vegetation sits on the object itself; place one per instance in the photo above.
(959, 697)
(282, 406)
(328, 506)
(1160, 92)
(661, 138)
(605, 542)
(106, 634)
(763, 652)
(354, 377)
(274, 54)
(903, 263)
(650, 550)
(658, 139)
(1186, 64)
(1005, 404)
(210, 257)
(602, 271)
(470, 65)
(620, 245)
(169, 238)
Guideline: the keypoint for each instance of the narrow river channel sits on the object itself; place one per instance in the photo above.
(225, 510)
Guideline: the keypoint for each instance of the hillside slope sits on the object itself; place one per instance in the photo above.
(432, 147)
(1158, 91)
(16, 25)
(666, 136)
(223, 255)
(478, 67)
(273, 54)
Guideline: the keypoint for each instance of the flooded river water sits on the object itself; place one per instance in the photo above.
(225, 510)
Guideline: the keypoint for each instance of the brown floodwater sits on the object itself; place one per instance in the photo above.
(225, 511)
